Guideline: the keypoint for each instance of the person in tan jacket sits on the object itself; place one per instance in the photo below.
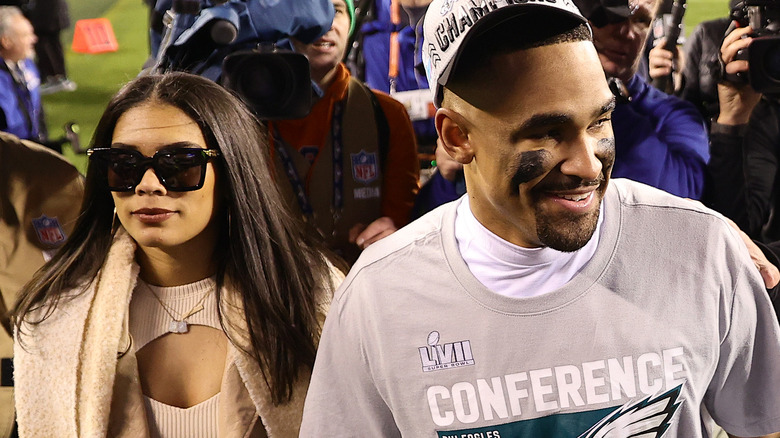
(187, 302)
(40, 196)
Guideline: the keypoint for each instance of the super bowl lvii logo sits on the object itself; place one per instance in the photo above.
(437, 356)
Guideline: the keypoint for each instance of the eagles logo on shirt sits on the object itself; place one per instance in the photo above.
(648, 417)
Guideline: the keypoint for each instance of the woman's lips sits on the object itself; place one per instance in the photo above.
(152, 215)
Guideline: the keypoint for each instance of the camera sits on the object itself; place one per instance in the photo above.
(244, 46)
(763, 54)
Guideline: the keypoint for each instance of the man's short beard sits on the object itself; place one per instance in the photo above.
(566, 232)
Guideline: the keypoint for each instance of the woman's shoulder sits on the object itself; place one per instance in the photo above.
(66, 304)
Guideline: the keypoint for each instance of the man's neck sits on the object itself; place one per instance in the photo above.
(326, 80)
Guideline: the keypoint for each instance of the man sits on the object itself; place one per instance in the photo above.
(40, 196)
(49, 18)
(551, 301)
(21, 112)
(350, 167)
(660, 139)
(700, 68)
(745, 142)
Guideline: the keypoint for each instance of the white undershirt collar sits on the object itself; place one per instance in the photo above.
(512, 270)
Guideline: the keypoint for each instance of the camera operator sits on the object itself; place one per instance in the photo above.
(701, 65)
(745, 139)
(701, 69)
(351, 165)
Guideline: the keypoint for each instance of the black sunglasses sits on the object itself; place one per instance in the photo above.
(178, 169)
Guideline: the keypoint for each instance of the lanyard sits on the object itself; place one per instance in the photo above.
(281, 146)
(395, 47)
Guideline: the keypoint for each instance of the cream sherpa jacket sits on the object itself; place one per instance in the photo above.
(77, 375)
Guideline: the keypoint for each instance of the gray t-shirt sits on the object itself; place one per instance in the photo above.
(667, 320)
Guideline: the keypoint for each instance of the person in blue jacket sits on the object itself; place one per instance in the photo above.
(660, 139)
(20, 100)
(390, 48)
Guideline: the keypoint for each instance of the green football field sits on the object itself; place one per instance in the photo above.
(701, 10)
(100, 75)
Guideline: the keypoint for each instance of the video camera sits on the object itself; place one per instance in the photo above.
(244, 46)
(763, 54)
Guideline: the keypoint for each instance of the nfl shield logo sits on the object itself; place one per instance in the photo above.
(48, 230)
(364, 166)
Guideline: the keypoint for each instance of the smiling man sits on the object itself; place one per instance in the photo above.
(550, 301)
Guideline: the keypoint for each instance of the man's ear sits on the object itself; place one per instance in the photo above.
(453, 135)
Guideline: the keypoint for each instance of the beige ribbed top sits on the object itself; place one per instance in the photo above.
(148, 321)
(199, 421)
(148, 318)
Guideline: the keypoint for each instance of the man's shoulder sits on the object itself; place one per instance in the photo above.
(6, 81)
(402, 249)
(654, 225)
(633, 193)
(642, 203)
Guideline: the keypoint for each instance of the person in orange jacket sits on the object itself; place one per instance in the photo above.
(350, 167)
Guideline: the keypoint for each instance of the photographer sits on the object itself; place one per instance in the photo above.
(701, 69)
(744, 146)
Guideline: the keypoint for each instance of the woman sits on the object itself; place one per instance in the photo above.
(186, 302)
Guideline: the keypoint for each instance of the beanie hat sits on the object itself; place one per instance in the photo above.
(351, 10)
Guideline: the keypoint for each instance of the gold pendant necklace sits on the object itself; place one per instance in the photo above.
(179, 325)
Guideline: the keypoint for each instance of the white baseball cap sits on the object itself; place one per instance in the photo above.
(450, 24)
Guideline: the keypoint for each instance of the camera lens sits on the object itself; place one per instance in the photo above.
(264, 83)
(276, 85)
